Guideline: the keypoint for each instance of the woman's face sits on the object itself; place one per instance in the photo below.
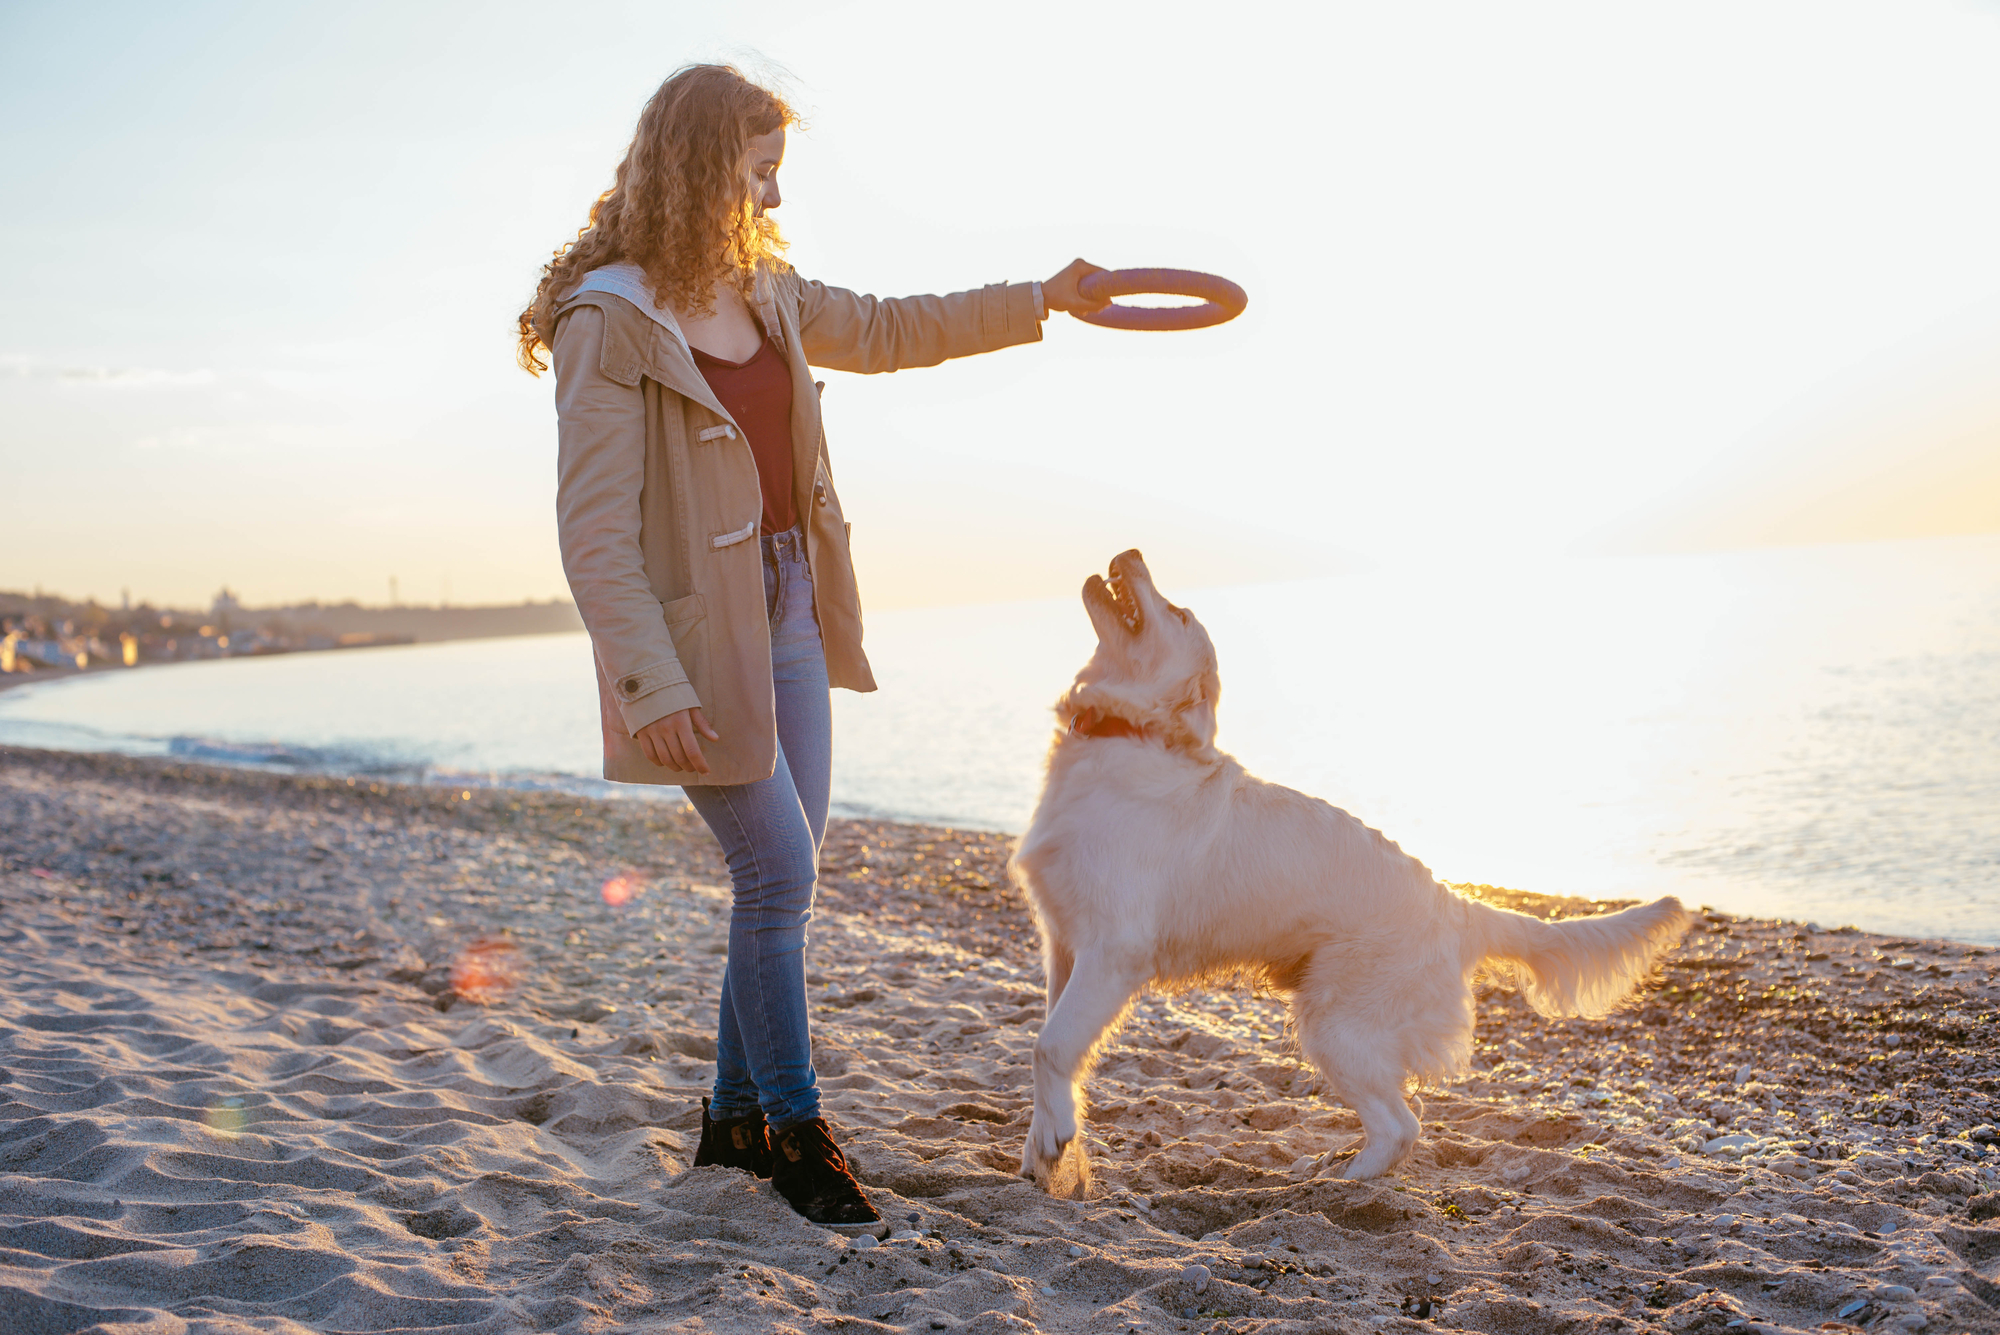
(767, 154)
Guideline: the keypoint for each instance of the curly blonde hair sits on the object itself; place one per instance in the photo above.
(683, 206)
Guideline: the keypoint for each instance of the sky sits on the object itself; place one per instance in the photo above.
(1524, 280)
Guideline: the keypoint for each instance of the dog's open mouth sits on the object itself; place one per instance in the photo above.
(1119, 598)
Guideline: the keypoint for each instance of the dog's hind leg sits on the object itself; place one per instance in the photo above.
(1391, 1130)
(1098, 991)
(1360, 1068)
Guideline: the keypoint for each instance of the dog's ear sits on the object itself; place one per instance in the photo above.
(1199, 717)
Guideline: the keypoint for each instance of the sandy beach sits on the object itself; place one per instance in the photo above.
(299, 1054)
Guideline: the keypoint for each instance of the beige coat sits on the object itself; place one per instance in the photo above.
(658, 504)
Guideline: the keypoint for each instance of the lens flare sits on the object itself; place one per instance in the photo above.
(622, 890)
(487, 970)
(225, 1116)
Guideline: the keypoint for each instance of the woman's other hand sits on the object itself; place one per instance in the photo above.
(1060, 294)
(674, 742)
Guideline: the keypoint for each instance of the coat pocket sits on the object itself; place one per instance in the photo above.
(720, 540)
(687, 624)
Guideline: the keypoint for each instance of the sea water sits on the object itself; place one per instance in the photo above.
(1808, 732)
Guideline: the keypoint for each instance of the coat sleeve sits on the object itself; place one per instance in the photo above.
(847, 331)
(600, 466)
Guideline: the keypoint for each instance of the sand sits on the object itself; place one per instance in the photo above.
(240, 1090)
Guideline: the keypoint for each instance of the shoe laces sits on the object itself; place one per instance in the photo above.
(816, 1135)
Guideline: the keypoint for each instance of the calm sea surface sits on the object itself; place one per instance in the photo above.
(1813, 733)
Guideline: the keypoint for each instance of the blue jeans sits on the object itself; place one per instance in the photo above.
(770, 833)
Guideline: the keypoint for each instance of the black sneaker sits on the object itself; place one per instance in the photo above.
(735, 1142)
(810, 1171)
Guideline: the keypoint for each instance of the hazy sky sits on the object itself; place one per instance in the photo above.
(1524, 278)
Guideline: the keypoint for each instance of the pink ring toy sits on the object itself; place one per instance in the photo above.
(1221, 299)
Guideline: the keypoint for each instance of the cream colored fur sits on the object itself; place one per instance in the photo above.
(1159, 860)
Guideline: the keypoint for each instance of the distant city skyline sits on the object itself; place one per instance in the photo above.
(43, 635)
(224, 599)
(1545, 278)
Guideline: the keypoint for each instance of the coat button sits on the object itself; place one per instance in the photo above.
(630, 685)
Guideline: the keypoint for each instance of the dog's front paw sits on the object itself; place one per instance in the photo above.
(1044, 1147)
(1058, 1165)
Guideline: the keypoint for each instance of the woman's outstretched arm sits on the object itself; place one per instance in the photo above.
(851, 331)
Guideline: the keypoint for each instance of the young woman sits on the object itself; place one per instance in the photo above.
(704, 543)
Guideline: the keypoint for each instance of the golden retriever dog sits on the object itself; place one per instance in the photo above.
(1155, 859)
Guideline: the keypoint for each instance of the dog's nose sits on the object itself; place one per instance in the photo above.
(1129, 559)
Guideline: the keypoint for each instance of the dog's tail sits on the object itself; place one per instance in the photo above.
(1580, 966)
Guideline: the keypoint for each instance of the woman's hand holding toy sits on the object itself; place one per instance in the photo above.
(1060, 293)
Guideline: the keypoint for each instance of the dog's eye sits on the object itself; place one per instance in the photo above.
(1181, 612)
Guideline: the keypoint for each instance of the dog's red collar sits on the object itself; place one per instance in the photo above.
(1094, 723)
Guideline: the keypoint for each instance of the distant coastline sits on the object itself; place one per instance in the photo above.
(45, 637)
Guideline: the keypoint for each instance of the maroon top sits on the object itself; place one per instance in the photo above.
(758, 394)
